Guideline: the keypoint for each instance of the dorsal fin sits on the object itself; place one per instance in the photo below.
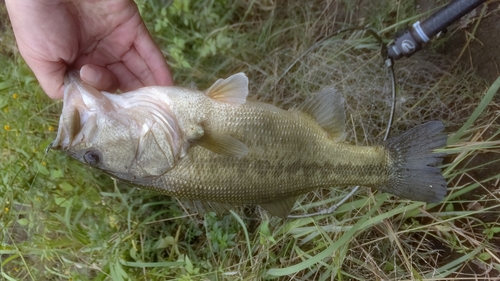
(327, 108)
(233, 90)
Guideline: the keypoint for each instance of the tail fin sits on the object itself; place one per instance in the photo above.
(415, 175)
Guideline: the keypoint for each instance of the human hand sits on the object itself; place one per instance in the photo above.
(106, 39)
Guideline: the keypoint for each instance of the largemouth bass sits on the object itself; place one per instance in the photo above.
(217, 146)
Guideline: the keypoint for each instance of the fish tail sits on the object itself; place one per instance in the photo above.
(414, 174)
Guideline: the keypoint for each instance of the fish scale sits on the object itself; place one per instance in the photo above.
(220, 148)
(270, 172)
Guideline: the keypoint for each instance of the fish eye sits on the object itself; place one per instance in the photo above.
(92, 157)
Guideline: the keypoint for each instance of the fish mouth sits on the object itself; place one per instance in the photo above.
(80, 103)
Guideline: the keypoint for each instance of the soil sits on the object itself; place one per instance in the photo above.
(483, 52)
(478, 49)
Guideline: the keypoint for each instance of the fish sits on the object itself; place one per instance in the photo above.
(220, 147)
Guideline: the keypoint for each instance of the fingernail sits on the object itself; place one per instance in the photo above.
(90, 75)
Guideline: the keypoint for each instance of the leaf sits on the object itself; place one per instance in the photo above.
(185, 64)
(328, 252)
(484, 256)
(449, 208)
(133, 253)
(4, 85)
(63, 202)
(189, 265)
(477, 112)
(452, 266)
(3, 101)
(23, 221)
(443, 228)
(152, 264)
(165, 242)
(56, 174)
(42, 169)
(66, 186)
(157, 26)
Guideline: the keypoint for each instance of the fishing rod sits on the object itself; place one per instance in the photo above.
(410, 40)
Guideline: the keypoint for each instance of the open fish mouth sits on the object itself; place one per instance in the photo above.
(118, 133)
(81, 103)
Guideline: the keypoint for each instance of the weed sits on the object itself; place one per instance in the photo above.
(60, 220)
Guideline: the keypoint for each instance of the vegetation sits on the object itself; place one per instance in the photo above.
(60, 220)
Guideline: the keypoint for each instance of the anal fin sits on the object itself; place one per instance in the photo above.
(280, 208)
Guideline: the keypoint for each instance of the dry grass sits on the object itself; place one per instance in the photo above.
(61, 221)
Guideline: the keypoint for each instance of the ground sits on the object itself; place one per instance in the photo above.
(60, 220)
(483, 52)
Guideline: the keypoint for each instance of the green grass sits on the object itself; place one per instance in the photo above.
(60, 220)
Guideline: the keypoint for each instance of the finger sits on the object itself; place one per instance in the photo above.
(48, 70)
(137, 66)
(127, 81)
(153, 58)
(50, 76)
(99, 77)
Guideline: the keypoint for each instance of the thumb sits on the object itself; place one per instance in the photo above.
(50, 77)
(99, 77)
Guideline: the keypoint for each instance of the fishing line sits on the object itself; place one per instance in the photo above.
(389, 64)
(406, 42)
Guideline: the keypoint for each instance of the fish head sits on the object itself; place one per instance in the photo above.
(130, 136)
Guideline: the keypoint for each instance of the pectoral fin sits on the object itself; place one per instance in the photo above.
(222, 144)
(233, 90)
(280, 208)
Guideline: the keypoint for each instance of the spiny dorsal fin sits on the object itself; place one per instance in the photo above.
(327, 108)
(280, 208)
(233, 90)
(222, 144)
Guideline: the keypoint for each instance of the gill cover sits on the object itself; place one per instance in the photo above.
(135, 133)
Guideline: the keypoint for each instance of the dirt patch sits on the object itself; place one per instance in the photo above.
(474, 43)
(477, 48)
(483, 51)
